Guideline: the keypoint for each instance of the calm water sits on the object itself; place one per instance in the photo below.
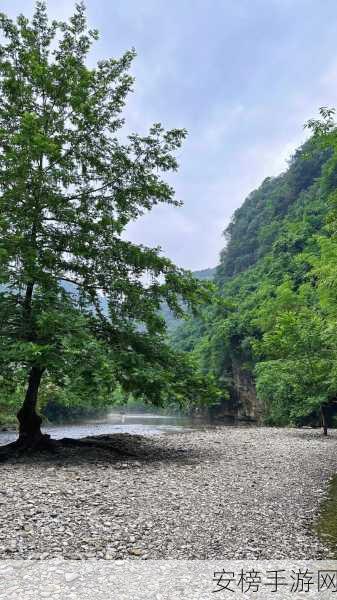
(141, 424)
(327, 523)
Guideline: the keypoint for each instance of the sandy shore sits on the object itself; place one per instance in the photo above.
(226, 493)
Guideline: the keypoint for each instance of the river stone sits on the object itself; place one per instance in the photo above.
(252, 493)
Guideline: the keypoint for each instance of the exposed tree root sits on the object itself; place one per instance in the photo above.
(43, 443)
(28, 445)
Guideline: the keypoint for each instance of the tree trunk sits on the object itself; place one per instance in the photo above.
(30, 434)
(323, 420)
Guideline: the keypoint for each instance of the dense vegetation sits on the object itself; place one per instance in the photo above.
(84, 314)
(275, 315)
(71, 181)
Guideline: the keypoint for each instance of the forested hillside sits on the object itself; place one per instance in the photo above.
(268, 335)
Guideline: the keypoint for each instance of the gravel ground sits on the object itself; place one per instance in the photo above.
(230, 492)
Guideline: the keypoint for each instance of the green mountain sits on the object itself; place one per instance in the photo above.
(205, 274)
(268, 243)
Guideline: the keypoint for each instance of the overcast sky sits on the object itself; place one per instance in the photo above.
(241, 75)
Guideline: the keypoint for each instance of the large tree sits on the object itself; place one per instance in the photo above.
(77, 300)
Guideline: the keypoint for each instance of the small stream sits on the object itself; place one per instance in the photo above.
(141, 424)
(326, 526)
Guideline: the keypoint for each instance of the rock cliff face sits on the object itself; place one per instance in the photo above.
(246, 405)
(243, 405)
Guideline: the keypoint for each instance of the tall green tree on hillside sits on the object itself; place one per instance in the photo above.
(69, 186)
(297, 358)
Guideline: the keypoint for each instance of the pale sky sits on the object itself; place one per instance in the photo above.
(242, 76)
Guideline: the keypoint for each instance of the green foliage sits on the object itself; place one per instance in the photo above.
(171, 320)
(257, 223)
(68, 188)
(277, 312)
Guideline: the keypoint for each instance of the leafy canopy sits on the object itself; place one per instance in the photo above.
(77, 299)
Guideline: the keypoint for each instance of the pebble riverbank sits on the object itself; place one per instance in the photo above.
(230, 492)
